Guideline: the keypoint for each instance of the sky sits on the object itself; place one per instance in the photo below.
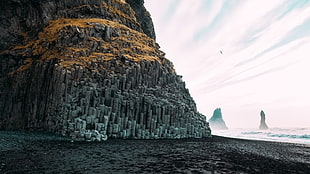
(242, 56)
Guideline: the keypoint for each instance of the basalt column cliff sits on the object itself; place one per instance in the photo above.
(90, 69)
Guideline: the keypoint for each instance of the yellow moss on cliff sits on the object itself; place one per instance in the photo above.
(70, 63)
(120, 1)
(28, 45)
(76, 49)
(54, 26)
(51, 32)
(136, 42)
(26, 65)
(105, 56)
(50, 54)
(133, 44)
(87, 5)
(96, 39)
(4, 52)
(25, 35)
(123, 5)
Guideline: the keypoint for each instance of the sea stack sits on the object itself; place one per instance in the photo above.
(216, 121)
(90, 70)
(263, 124)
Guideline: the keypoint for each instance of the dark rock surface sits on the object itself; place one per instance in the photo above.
(20, 18)
(39, 153)
(216, 121)
(85, 69)
(143, 16)
(262, 124)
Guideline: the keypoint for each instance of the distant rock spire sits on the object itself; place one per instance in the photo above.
(216, 121)
(263, 124)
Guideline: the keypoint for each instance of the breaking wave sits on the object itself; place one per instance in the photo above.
(293, 135)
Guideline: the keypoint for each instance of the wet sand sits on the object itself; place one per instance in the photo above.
(45, 153)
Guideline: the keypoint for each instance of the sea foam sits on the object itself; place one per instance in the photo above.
(292, 135)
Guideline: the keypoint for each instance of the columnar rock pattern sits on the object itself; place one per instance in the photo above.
(216, 121)
(87, 70)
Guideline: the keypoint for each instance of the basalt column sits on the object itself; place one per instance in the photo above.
(88, 70)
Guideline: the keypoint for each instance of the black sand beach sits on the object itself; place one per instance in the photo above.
(44, 153)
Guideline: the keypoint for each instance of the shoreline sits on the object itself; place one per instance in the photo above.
(264, 140)
(286, 135)
(42, 153)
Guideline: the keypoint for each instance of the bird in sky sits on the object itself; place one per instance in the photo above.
(221, 51)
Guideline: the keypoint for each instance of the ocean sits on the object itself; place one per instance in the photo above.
(291, 135)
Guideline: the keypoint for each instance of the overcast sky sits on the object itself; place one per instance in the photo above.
(265, 59)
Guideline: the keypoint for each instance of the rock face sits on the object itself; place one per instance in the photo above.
(216, 121)
(262, 124)
(90, 70)
(143, 16)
